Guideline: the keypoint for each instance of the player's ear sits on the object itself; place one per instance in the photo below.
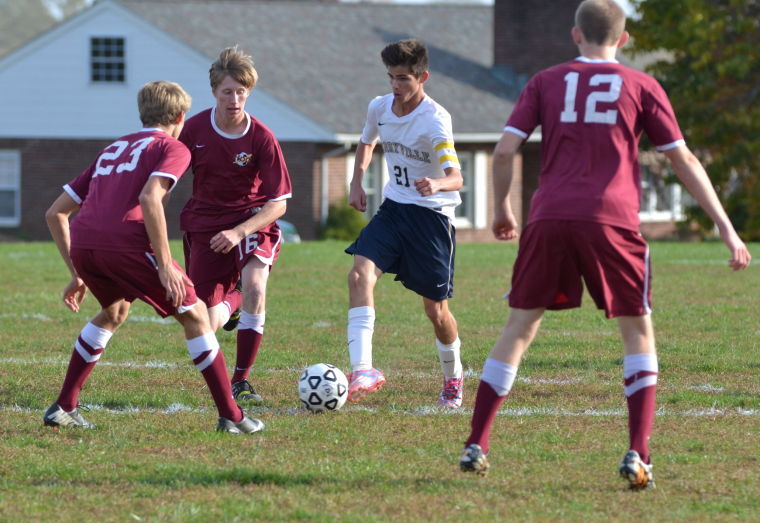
(576, 35)
(424, 76)
(623, 39)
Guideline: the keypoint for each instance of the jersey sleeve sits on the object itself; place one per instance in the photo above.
(371, 131)
(275, 178)
(658, 118)
(79, 187)
(173, 162)
(443, 141)
(526, 114)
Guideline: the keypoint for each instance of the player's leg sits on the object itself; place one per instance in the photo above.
(640, 370)
(88, 348)
(448, 345)
(254, 276)
(362, 279)
(499, 372)
(203, 348)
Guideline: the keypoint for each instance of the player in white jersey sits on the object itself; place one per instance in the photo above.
(412, 234)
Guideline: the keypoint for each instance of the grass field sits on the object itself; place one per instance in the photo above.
(555, 444)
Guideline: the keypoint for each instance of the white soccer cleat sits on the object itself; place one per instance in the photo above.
(636, 472)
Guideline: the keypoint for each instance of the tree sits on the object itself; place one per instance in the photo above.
(712, 73)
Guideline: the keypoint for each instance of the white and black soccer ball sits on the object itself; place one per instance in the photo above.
(322, 387)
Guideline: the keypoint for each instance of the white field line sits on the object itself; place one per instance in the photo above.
(424, 410)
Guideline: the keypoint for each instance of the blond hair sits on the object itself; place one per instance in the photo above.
(160, 103)
(601, 21)
(237, 65)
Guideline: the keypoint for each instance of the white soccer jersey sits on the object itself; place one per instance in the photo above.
(417, 145)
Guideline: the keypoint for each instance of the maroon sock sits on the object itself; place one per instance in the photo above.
(248, 343)
(77, 373)
(216, 379)
(487, 404)
(641, 409)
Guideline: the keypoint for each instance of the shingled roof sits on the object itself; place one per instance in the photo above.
(323, 59)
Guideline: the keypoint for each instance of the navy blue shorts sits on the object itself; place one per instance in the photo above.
(414, 243)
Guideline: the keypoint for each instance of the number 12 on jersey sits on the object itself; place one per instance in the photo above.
(591, 114)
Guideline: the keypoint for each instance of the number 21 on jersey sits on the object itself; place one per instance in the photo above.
(591, 114)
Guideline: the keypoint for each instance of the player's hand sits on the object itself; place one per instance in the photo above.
(740, 256)
(174, 281)
(426, 186)
(225, 241)
(357, 198)
(74, 293)
(504, 225)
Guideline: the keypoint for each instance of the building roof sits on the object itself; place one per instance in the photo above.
(323, 59)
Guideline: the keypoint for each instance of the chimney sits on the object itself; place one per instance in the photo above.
(530, 35)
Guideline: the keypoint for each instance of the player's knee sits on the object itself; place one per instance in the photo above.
(358, 279)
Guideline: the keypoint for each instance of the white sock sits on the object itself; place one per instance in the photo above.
(448, 354)
(499, 375)
(361, 325)
(252, 321)
(222, 312)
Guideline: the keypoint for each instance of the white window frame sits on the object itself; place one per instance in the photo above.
(11, 181)
(108, 77)
(377, 180)
(476, 193)
(650, 200)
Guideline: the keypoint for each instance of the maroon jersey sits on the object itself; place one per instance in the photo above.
(233, 176)
(592, 114)
(108, 190)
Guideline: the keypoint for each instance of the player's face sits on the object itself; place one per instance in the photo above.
(230, 99)
(405, 86)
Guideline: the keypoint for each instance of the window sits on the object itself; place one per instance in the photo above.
(467, 191)
(10, 188)
(661, 200)
(107, 59)
(373, 182)
(471, 213)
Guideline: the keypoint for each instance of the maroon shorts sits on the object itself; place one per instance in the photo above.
(215, 274)
(556, 257)
(112, 276)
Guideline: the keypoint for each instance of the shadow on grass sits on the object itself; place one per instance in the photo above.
(180, 476)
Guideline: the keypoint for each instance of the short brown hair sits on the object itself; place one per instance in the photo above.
(160, 103)
(601, 21)
(237, 65)
(410, 52)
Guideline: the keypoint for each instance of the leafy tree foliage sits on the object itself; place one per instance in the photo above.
(711, 70)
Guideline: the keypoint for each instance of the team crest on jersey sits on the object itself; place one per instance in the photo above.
(242, 159)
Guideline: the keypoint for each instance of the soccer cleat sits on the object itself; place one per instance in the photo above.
(638, 473)
(451, 395)
(473, 459)
(243, 392)
(56, 417)
(244, 426)
(362, 382)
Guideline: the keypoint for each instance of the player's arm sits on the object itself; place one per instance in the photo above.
(691, 173)
(504, 225)
(151, 203)
(225, 241)
(452, 181)
(357, 198)
(57, 218)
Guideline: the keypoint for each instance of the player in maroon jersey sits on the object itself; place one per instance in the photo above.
(240, 188)
(583, 222)
(118, 247)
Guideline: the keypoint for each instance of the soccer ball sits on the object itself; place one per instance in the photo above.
(322, 387)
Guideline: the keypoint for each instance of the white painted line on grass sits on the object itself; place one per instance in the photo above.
(424, 410)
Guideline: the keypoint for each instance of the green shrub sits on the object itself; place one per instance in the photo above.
(343, 222)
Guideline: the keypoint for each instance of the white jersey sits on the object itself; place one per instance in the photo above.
(417, 145)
